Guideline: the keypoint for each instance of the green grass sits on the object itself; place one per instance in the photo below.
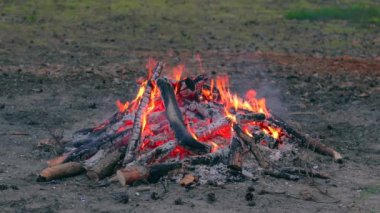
(357, 13)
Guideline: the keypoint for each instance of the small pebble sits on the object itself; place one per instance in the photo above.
(211, 197)
(249, 196)
(154, 196)
(252, 203)
(178, 201)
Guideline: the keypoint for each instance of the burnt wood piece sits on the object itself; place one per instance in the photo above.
(88, 135)
(235, 155)
(250, 117)
(307, 172)
(306, 141)
(87, 150)
(151, 174)
(105, 166)
(253, 147)
(210, 159)
(212, 129)
(280, 174)
(157, 153)
(60, 171)
(175, 118)
(134, 141)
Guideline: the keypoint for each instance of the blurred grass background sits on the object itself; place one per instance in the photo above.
(299, 26)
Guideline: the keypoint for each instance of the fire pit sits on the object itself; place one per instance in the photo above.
(175, 124)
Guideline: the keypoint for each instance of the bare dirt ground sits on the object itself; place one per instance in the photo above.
(339, 104)
(55, 77)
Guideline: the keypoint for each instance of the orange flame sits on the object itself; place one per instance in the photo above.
(233, 101)
(177, 72)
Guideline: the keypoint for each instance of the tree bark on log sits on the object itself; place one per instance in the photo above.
(253, 147)
(105, 166)
(235, 155)
(175, 118)
(209, 159)
(151, 174)
(157, 153)
(211, 129)
(60, 171)
(306, 141)
(134, 141)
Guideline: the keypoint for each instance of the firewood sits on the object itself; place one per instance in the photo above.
(235, 155)
(157, 153)
(210, 130)
(60, 171)
(309, 172)
(241, 118)
(135, 172)
(188, 180)
(280, 174)
(209, 159)
(105, 166)
(253, 147)
(92, 161)
(58, 160)
(176, 120)
(134, 141)
(131, 174)
(306, 141)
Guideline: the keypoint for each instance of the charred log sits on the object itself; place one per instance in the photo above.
(175, 118)
(253, 147)
(235, 155)
(134, 141)
(306, 141)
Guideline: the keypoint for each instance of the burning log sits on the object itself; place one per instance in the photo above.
(209, 159)
(306, 141)
(235, 156)
(135, 172)
(176, 121)
(211, 129)
(253, 147)
(60, 171)
(105, 166)
(134, 141)
(241, 118)
(158, 153)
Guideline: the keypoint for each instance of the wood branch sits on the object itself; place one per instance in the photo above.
(136, 172)
(235, 155)
(157, 153)
(210, 130)
(131, 174)
(242, 118)
(210, 159)
(92, 161)
(253, 147)
(58, 160)
(308, 172)
(280, 174)
(105, 166)
(176, 120)
(306, 141)
(60, 171)
(134, 141)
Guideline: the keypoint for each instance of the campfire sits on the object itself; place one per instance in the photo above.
(176, 123)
